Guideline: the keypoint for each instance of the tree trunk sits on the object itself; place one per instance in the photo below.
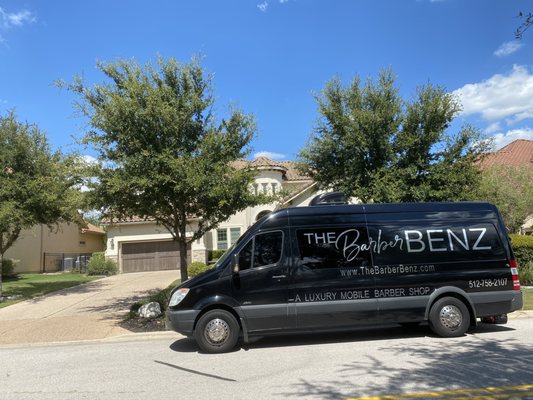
(1, 270)
(183, 259)
(182, 240)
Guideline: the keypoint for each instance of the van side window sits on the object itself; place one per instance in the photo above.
(266, 249)
(336, 247)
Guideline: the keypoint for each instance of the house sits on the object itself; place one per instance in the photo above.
(41, 249)
(138, 245)
(516, 154)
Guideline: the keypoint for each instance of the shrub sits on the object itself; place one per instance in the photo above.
(526, 274)
(8, 266)
(196, 268)
(523, 249)
(98, 265)
(216, 254)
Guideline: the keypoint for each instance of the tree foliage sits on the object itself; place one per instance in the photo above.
(511, 189)
(163, 154)
(371, 144)
(527, 21)
(37, 186)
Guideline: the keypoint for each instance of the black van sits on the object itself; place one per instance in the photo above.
(336, 267)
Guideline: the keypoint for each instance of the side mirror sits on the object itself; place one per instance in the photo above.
(235, 263)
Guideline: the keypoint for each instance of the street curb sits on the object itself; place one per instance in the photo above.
(134, 336)
(521, 314)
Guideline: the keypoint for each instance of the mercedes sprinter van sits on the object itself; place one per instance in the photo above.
(336, 267)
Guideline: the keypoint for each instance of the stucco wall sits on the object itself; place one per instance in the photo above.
(31, 245)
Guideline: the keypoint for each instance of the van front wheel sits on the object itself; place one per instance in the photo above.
(449, 317)
(217, 331)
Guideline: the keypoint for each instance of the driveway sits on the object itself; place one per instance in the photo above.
(89, 311)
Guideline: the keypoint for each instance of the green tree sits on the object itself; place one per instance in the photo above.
(511, 189)
(163, 154)
(370, 143)
(37, 186)
(527, 21)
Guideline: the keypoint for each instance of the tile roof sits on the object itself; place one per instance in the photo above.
(517, 153)
(287, 168)
(93, 229)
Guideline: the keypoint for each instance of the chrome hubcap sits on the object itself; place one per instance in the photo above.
(216, 331)
(451, 317)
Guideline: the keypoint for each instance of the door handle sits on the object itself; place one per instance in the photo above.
(279, 276)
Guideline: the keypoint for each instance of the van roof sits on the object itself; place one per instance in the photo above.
(392, 208)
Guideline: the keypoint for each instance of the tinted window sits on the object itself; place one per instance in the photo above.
(444, 242)
(266, 249)
(322, 248)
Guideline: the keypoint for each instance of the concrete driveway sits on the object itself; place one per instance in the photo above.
(89, 311)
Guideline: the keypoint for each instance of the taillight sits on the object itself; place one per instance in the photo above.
(514, 273)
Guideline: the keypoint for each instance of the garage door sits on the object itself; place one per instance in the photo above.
(151, 256)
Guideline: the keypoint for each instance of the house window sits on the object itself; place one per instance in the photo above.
(274, 186)
(256, 189)
(222, 239)
(235, 233)
(265, 190)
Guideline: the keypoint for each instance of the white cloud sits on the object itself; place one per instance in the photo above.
(270, 154)
(89, 159)
(501, 96)
(503, 139)
(263, 6)
(494, 127)
(507, 48)
(283, 1)
(8, 20)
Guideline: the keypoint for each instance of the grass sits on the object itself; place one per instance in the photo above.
(528, 299)
(33, 285)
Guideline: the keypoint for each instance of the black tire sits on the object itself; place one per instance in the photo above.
(449, 317)
(217, 331)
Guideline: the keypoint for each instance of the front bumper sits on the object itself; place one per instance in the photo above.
(181, 321)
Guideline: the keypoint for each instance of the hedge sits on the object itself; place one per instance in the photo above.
(99, 265)
(196, 268)
(523, 251)
(523, 248)
(8, 266)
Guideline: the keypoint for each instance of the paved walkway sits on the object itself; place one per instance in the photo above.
(89, 311)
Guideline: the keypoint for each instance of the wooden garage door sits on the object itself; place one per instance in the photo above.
(151, 256)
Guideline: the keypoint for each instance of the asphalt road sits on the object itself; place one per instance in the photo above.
(377, 362)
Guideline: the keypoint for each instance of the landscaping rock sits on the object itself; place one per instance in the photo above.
(150, 310)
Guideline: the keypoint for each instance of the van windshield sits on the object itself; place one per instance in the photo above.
(222, 259)
(228, 252)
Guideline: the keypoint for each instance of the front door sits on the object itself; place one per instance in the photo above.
(261, 285)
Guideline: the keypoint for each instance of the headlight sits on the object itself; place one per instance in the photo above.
(177, 297)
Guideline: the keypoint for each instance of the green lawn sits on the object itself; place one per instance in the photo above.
(33, 285)
(528, 299)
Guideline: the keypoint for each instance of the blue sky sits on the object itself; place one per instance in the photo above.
(269, 56)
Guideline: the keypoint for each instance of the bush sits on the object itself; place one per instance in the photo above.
(526, 274)
(216, 254)
(523, 249)
(196, 268)
(98, 265)
(8, 266)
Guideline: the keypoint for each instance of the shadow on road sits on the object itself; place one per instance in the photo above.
(188, 345)
(469, 362)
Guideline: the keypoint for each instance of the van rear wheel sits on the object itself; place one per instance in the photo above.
(217, 331)
(449, 317)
